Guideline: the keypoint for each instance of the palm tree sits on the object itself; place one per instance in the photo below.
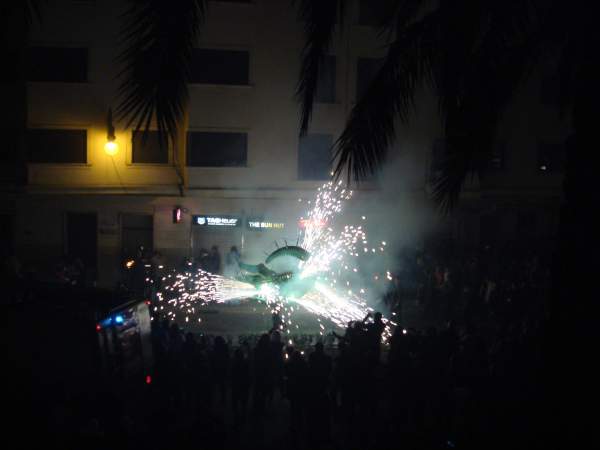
(159, 38)
(472, 55)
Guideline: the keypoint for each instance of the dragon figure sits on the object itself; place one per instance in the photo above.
(289, 282)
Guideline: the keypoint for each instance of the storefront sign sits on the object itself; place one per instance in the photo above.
(216, 221)
(261, 224)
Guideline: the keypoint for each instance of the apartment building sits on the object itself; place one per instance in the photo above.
(242, 176)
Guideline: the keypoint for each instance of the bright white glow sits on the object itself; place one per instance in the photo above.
(111, 148)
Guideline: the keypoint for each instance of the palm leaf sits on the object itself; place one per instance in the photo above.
(397, 14)
(28, 10)
(33, 11)
(158, 38)
(319, 18)
(473, 55)
(500, 57)
(371, 127)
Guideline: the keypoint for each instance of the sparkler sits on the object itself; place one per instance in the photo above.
(332, 263)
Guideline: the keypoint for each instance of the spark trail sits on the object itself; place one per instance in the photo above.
(335, 250)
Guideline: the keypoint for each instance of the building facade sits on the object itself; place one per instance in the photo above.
(240, 174)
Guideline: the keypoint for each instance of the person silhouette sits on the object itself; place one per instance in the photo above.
(262, 373)
(219, 367)
(232, 263)
(319, 369)
(214, 260)
(373, 336)
(296, 371)
(240, 386)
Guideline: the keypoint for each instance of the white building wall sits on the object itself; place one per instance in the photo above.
(267, 111)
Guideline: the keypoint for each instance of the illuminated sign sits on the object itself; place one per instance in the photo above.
(261, 224)
(216, 221)
(177, 214)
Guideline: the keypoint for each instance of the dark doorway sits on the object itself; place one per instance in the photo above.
(137, 231)
(82, 238)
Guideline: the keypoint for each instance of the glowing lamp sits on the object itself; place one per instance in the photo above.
(148, 379)
(111, 148)
(119, 319)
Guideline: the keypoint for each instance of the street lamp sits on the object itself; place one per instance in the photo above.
(111, 147)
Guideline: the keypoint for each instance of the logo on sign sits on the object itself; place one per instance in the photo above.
(218, 221)
(265, 225)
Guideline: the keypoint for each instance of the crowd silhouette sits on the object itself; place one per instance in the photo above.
(428, 389)
(462, 369)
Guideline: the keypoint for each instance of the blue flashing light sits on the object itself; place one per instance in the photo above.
(118, 319)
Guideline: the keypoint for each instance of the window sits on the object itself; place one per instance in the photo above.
(374, 13)
(57, 146)
(314, 157)
(57, 64)
(147, 150)
(212, 66)
(326, 83)
(366, 71)
(551, 157)
(217, 149)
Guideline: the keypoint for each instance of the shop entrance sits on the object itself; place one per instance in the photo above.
(204, 238)
(82, 238)
(137, 231)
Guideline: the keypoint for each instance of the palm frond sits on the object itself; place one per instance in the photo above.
(371, 127)
(29, 11)
(397, 14)
(499, 60)
(473, 55)
(319, 18)
(33, 11)
(158, 38)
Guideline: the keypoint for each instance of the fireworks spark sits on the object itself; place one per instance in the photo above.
(333, 249)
